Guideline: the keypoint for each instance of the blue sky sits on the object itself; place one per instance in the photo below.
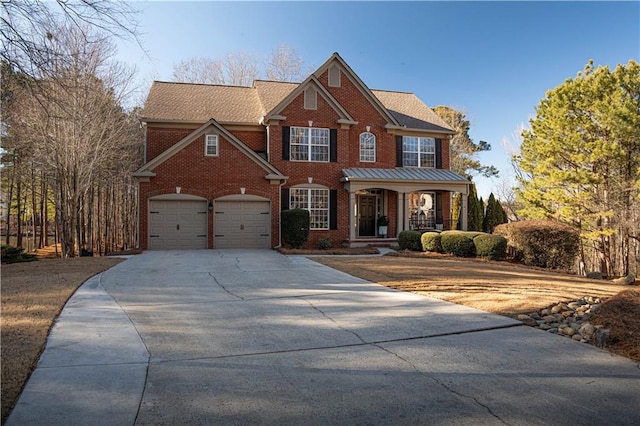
(494, 60)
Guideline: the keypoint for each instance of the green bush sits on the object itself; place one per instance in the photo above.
(295, 227)
(457, 243)
(410, 240)
(10, 254)
(324, 244)
(431, 241)
(542, 243)
(492, 247)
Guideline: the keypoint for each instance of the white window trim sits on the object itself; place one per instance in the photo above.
(418, 152)
(207, 144)
(368, 134)
(309, 208)
(310, 145)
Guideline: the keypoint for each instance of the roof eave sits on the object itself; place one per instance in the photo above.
(397, 130)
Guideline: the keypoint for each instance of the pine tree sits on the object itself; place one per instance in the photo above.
(474, 210)
(494, 215)
(580, 163)
(456, 210)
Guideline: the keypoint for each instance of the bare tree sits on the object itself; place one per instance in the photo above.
(27, 26)
(82, 140)
(199, 70)
(285, 65)
(237, 69)
(241, 68)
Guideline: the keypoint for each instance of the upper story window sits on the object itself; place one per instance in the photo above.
(316, 200)
(367, 147)
(309, 144)
(211, 145)
(418, 152)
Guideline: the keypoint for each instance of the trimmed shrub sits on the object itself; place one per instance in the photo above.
(295, 227)
(10, 254)
(542, 243)
(431, 241)
(457, 243)
(492, 247)
(410, 240)
(324, 244)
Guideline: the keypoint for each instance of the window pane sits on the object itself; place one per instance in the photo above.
(367, 147)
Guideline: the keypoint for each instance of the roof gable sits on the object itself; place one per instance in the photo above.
(366, 92)
(146, 170)
(311, 81)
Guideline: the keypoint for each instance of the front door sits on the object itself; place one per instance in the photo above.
(367, 216)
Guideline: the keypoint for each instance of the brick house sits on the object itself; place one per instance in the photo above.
(222, 162)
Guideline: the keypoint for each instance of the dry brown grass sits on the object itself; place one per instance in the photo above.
(33, 294)
(502, 288)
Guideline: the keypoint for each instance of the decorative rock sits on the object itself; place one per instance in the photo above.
(629, 279)
(527, 320)
(587, 329)
(570, 319)
(601, 337)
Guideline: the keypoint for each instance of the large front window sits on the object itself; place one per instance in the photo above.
(316, 200)
(418, 152)
(309, 144)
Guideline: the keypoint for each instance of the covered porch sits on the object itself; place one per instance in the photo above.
(410, 198)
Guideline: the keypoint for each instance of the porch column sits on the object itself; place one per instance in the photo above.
(353, 216)
(463, 212)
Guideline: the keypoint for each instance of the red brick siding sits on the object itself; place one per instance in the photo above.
(161, 139)
(210, 178)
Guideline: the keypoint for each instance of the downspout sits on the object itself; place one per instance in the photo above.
(280, 213)
(268, 145)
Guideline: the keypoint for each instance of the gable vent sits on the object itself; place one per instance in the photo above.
(334, 76)
(310, 98)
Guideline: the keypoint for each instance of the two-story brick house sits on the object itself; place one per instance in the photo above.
(222, 162)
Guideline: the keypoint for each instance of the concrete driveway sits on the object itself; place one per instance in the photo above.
(254, 337)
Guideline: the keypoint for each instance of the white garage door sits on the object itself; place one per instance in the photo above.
(177, 224)
(242, 224)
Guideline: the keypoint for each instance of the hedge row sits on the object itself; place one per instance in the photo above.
(458, 243)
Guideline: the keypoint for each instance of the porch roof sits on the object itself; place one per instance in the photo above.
(404, 179)
(405, 174)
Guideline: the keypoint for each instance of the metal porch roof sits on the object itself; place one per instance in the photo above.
(406, 174)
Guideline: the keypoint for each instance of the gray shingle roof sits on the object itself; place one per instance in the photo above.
(410, 111)
(235, 104)
(412, 174)
(201, 102)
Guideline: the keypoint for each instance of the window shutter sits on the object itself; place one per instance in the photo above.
(439, 207)
(333, 209)
(438, 153)
(284, 199)
(333, 145)
(286, 131)
(398, 151)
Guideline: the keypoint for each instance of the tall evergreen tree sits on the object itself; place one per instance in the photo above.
(581, 163)
(474, 210)
(464, 151)
(494, 215)
(456, 210)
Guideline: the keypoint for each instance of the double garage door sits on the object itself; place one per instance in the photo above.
(182, 224)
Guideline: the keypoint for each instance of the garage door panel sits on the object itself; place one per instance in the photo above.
(177, 224)
(242, 224)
